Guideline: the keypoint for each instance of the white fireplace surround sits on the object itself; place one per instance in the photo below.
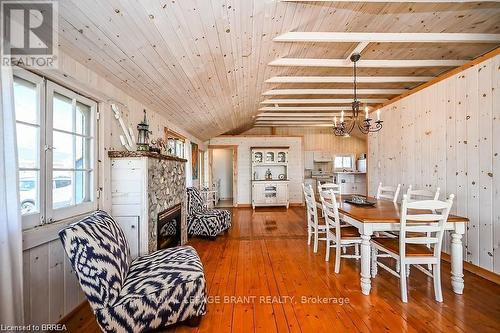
(142, 186)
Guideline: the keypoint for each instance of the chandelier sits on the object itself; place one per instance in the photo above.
(344, 128)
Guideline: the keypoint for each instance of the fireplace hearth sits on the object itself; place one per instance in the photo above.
(169, 227)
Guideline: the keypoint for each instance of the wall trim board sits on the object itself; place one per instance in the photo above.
(440, 78)
(258, 135)
(484, 273)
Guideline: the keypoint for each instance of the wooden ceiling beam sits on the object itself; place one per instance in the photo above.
(324, 119)
(322, 101)
(393, 1)
(302, 108)
(386, 37)
(292, 124)
(402, 63)
(275, 92)
(347, 79)
(300, 114)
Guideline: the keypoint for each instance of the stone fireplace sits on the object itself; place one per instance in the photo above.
(149, 185)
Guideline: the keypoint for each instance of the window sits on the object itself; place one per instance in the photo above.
(56, 150)
(176, 143)
(344, 162)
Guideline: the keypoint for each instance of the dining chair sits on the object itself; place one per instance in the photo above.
(337, 235)
(388, 192)
(423, 194)
(314, 226)
(329, 186)
(410, 248)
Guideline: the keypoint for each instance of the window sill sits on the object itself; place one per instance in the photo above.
(45, 233)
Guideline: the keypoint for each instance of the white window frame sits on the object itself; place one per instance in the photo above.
(45, 93)
(85, 207)
(353, 162)
(34, 219)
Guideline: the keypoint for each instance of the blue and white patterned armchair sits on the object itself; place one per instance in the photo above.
(203, 221)
(155, 290)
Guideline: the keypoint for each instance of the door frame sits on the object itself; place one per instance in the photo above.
(234, 149)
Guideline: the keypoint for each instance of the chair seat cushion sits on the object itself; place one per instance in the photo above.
(161, 288)
(347, 232)
(412, 250)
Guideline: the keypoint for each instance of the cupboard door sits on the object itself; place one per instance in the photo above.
(282, 195)
(309, 160)
(282, 157)
(257, 157)
(130, 226)
(270, 156)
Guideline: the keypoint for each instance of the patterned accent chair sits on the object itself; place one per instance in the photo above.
(156, 290)
(202, 221)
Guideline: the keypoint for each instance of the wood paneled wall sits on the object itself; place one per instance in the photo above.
(51, 288)
(321, 139)
(448, 136)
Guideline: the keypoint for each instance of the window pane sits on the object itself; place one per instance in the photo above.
(25, 101)
(63, 113)
(28, 146)
(29, 191)
(81, 189)
(82, 156)
(338, 161)
(62, 189)
(63, 150)
(82, 119)
(347, 162)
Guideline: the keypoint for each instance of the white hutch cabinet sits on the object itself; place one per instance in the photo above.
(269, 176)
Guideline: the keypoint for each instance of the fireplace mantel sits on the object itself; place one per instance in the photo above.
(127, 154)
(144, 184)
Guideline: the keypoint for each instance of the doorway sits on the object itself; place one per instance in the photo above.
(223, 174)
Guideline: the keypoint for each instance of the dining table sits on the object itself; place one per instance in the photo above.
(384, 215)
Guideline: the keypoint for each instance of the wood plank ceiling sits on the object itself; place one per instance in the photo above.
(205, 63)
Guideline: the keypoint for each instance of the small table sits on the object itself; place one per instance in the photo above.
(385, 216)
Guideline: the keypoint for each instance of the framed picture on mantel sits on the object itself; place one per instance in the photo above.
(195, 161)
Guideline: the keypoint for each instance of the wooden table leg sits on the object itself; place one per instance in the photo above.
(365, 262)
(457, 266)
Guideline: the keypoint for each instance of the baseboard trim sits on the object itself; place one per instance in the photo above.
(72, 312)
(484, 273)
(244, 206)
(294, 204)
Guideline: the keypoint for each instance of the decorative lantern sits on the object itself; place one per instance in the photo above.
(143, 137)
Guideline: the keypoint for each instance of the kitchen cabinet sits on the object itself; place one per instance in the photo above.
(309, 160)
(323, 156)
(351, 182)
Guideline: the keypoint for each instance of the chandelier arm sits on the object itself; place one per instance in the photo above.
(363, 129)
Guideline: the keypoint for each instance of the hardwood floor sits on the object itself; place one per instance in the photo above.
(265, 254)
